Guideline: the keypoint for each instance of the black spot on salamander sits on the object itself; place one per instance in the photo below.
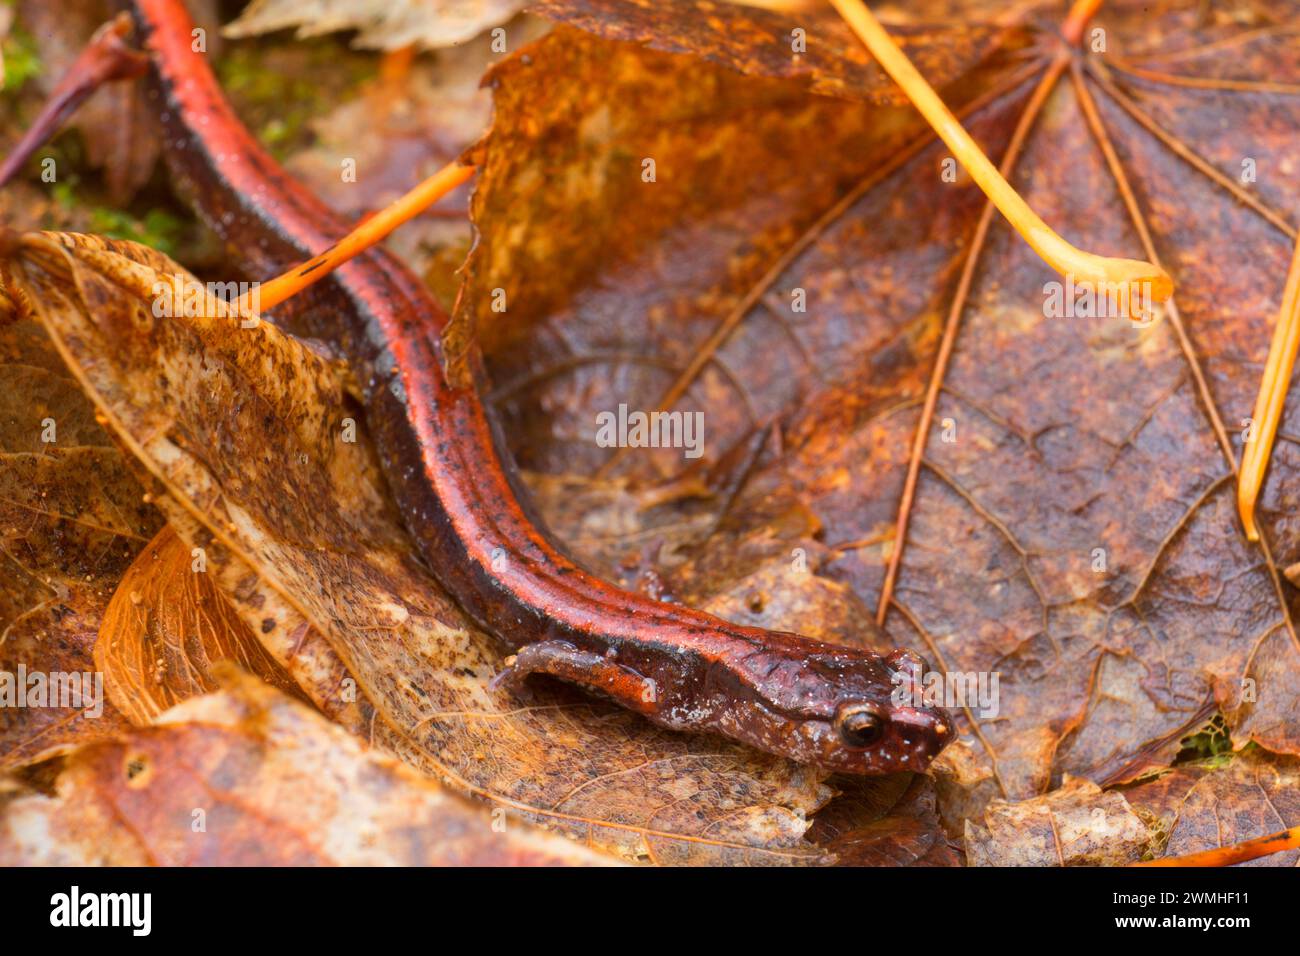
(268, 625)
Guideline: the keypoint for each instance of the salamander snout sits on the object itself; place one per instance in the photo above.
(901, 730)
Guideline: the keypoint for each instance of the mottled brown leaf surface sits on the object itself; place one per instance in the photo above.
(761, 43)
(611, 283)
(303, 508)
(72, 517)
(1073, 527)
(1218, 803)
(249, 777)
(299, 649)
(165, 628)
(885, 821)
(1074, 825)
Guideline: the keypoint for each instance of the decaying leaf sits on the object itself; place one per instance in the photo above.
(813, 45)
(1071, 526)
(248, 777)
(1074, 825)
(1222, 801)
(302, 506)
(381, 24)
(683, 187)
(72, 517)
(885, 821)
(297, 648)
(166, 626)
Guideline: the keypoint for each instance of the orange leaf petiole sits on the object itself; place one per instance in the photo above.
(1271, 398)
(1077, 19)
(1237, 853)
(1101, 271)
(272, 293)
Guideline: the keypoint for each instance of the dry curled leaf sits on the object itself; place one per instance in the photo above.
(166, 626)
(248, 777)
(304, 509)
(299, 650)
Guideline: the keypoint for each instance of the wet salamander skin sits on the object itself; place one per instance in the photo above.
(814, 702)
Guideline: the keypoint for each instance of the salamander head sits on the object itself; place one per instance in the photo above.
(839, 708)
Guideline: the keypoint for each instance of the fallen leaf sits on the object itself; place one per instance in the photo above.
(1223, 801)
(164, 629)
(298, 649)
(248, 777)
(1073, 528)
(812, 45)
(72, 517)
(1074, 825)
(381, 24)
(885, 821)
(736, 180)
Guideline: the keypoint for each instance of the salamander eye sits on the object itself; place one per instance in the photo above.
(859, 725)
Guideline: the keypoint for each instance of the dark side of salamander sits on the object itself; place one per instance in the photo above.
(813, 702)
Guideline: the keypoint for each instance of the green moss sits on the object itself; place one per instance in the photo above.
(21, 60)
(277, 89)
(1211, 743)
(157, 228)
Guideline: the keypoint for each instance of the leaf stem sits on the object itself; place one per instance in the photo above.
(271, 293)
(1236, 853)
(1271, 399)
(1102, 271)
(104, 59)
(1077, 20)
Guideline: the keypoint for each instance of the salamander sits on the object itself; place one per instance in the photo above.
(811, 701)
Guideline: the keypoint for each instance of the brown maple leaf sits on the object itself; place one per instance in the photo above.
(1045, 498)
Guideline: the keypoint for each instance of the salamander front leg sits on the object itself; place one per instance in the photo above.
(571, 663)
